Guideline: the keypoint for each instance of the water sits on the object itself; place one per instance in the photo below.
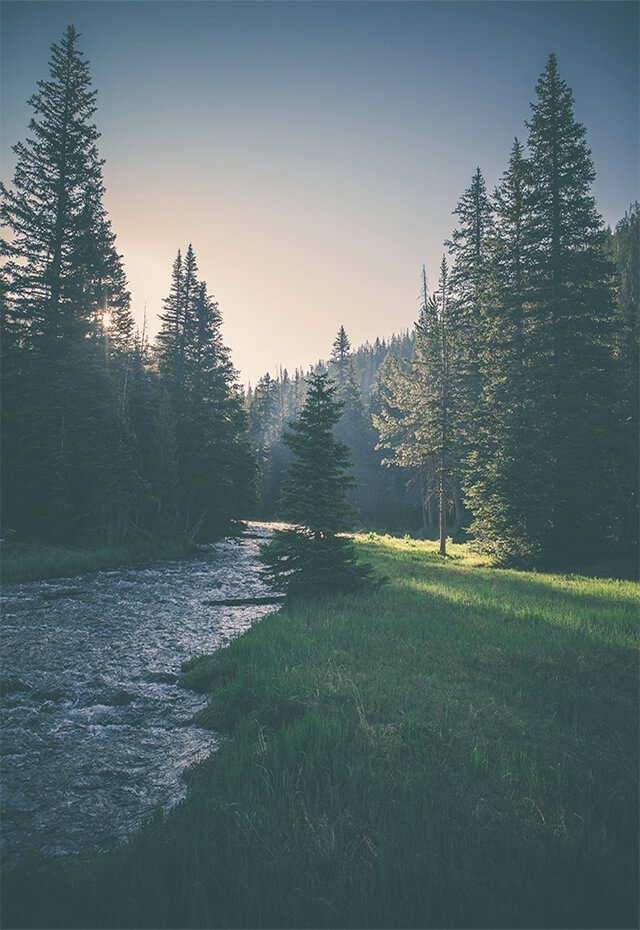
(95, 730)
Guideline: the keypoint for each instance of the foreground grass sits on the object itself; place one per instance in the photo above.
(458, 749)
(31, 562)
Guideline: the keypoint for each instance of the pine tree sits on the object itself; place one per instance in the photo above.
(67, 464)
(312, 556)
(340, 354)
(355, 429)
(571, 299)
(624, 249)
(418, 422)
(546, 428)
(62, 267)
(467, 253)
(215, 464)
(466, 246)
(506, 465)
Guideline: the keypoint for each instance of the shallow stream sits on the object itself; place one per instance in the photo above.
(95, 729)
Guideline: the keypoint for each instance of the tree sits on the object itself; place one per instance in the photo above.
(539, 479)
(572, 305)
(354, 428)
(66, 458)
(505, 479)
(312, 556)
(623, 247)
(467, 253)
(340, 355)
(418, 421)
(215, 464)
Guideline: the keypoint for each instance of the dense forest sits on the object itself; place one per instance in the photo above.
(508, 415)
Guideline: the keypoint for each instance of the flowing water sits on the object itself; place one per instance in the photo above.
(95, 729)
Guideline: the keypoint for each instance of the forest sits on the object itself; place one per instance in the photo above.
(508, 416)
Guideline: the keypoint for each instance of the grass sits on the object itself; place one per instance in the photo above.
(457, 749)
(32, 561)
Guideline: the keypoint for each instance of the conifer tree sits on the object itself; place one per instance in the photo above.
(467, 254)
(312, 556)
(215, 464)
(506, 465)
(340, 354)
(546, 429)
(67, 464)
(571, 299)
(354, 428)
(624, 249)
(418, 422)
(466, 246)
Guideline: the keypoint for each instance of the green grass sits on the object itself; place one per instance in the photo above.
(456, 749)
(31, 561)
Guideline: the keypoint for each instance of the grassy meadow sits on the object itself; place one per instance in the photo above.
(33, 561)
(456, 749)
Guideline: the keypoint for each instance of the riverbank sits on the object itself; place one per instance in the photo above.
(34, 562)
(457, 749)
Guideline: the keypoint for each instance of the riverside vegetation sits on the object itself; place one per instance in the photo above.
(33, 561)
(458, 748)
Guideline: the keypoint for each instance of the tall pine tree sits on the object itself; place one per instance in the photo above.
(419, 419)
(540, 475)
(571, 301)
(67, 468)
(215, 464)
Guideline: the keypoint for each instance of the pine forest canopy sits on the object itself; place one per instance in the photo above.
(510, 412)
(104, 437)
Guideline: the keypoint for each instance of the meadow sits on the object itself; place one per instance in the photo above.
(458, 748)
(33, 561)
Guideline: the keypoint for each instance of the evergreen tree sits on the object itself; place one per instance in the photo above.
(466, 246)
(67, 467)
(467, 252)
(546, 427)
(624, 249)
(355, 429)
(506, 466)
(571, 298)
(215, 465)
(312, 556)
(340, 355)
(418, 422)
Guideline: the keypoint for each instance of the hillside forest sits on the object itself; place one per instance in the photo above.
(508, 415)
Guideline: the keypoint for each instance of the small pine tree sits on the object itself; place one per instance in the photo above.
(311, 556)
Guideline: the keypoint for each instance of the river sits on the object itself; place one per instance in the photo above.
(96, 732)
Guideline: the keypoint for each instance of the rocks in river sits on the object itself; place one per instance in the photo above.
(57, 594)
(162, 678)
(50, 694)
(119, 699)
(11, 685)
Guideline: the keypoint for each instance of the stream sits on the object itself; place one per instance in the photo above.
(95, 730)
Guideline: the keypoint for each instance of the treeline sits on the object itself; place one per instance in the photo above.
(511, 413)
(104, 437)
(383, 497)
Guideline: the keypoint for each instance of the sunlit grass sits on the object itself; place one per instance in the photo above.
(456, 749)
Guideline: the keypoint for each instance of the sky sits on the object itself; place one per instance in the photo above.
(313, 153)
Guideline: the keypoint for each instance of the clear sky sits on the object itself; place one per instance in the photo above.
(313, 152)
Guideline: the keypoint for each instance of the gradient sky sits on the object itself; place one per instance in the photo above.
(313, 152)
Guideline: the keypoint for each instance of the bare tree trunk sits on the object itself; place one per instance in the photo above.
(443, 513)
(444, 365)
